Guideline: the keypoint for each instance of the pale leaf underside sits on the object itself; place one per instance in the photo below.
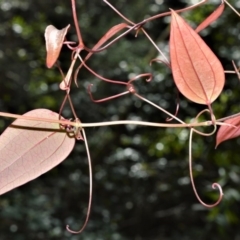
(54, 40)
(30, 148)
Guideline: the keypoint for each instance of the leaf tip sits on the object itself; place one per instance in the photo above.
(54, 40)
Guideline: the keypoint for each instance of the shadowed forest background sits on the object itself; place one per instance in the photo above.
(141, 180)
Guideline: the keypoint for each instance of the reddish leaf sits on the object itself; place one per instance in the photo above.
(54, 40)
(31, 148)
(228, 132)
(197, 72)
(211, 18)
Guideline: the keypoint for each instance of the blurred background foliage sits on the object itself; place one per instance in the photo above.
(141, 178)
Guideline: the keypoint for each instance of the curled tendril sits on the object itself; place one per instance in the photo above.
(213, 121)
(214, 185)
(177, 109)
(69, 43)
(149, 75)
(159, 60)
(90, 189)
(130, 88)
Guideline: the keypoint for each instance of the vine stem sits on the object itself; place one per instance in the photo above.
(232, 7)
(230, 72)
(81, 45)
(110, 123)
(64, 85)
(160, 108)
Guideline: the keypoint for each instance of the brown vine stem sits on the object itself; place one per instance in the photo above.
(177, 11)
(111, 123)
(75, 19)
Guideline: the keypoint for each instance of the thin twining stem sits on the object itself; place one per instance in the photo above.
(111, 123)
(183, 123)
(230, 72)
(120, 14)
(99, 76)
(232, 7)
(114, 40)
(158, 15)
(90, 187)
(138, 28)
(76, 23)
(177, 11)
(67, 97)
(129, 85)
(213, 120)
(214, 185)
(228, 117)
(160, 108)
(140, 24)
(65, 84)
(166, 61)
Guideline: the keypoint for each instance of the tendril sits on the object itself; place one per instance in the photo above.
(130, 88)
(214, 185)
(161, 61)
(168, 119)
(69, 43)
(213, 121)
(90, 189)
(149, 75)
(96, 74)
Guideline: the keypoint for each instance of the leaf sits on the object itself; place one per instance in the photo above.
(211, 18)
(30, 148)
(197, 72)
(54, 40)
(227, 132)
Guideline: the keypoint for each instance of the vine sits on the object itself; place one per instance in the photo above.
(197, 73)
